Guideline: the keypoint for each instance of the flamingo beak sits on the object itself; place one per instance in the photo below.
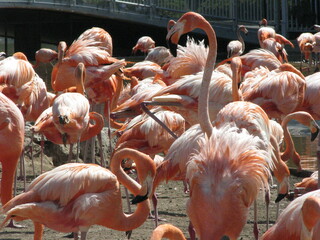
(314, 134)
(280, 197)
(172, 47)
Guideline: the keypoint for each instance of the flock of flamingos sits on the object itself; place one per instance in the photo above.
(221, 129)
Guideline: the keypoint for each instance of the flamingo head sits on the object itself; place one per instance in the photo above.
(243, 29)
(188, 22)
(263, 22)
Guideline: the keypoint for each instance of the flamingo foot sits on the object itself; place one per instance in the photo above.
(11, 224)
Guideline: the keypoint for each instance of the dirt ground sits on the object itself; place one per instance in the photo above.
(172, 202)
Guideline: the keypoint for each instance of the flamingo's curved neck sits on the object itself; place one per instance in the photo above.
(242, 42)
(203, 108)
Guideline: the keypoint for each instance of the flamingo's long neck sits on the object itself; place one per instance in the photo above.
(290, 149)
(236, 66)
(203, 109)
(241, 40)
(144, 165)
(93, 129)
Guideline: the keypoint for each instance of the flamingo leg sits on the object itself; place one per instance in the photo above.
(83, 235)
(103, 161)
(192, 232)
(41, 154)
(70, 152)
(255, 223)
(38, 231)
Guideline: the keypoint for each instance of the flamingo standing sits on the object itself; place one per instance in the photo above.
(306, 42)
(70, 112)
(144, 44)
(75, 196)
(11, 144)
(237, 47)
(300, 220)
(278, 92)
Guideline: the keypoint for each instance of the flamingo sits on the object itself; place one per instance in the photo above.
(237, 47)
(309, 183)
(278, 92)
(167, 231)
(222, 161)
(144, 44)
(160, 55)
(300, 220)
(70, 112)
(142, 70)
(75, 196)
(305, 119)
(265, 32)
(310, 103)
(306, 42)
(101, 36)
(276, 48)
(90, 50)
(45, 55)
(11, 144)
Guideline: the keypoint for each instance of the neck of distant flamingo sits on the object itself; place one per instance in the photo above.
(236, 76)
(203, 104)
(290, 149)
(93, 129)
(119, 88)
(241, 40)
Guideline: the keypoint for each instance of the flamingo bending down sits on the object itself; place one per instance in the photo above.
(11, 145)
(300, 220)
(144, 44)
(237, 47)
(167, 231)
(278, 92)
(45, 55)
(75, 196)
(223, 160)
(305, 119)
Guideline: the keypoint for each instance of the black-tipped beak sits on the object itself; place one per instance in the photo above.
(280, 197)
(63, 119)
(172, 47)
(139, 199)
(314, 135)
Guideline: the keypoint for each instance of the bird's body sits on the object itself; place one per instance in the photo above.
(237, 47)
(11, 144)
(278, 92)
(73, 197)
(299, 220)
(167, 231)
(223, 161)
(309, 183)
(144, 44)
(160, 55)
(45, 55)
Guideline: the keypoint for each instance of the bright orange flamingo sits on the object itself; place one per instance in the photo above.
(45, 55)
(167, 231)
(237, 47)
(144, 44)
(87, 50)
(300, 220)
(278, 92)
(75, 196)
(11, 144)
(305, 119)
